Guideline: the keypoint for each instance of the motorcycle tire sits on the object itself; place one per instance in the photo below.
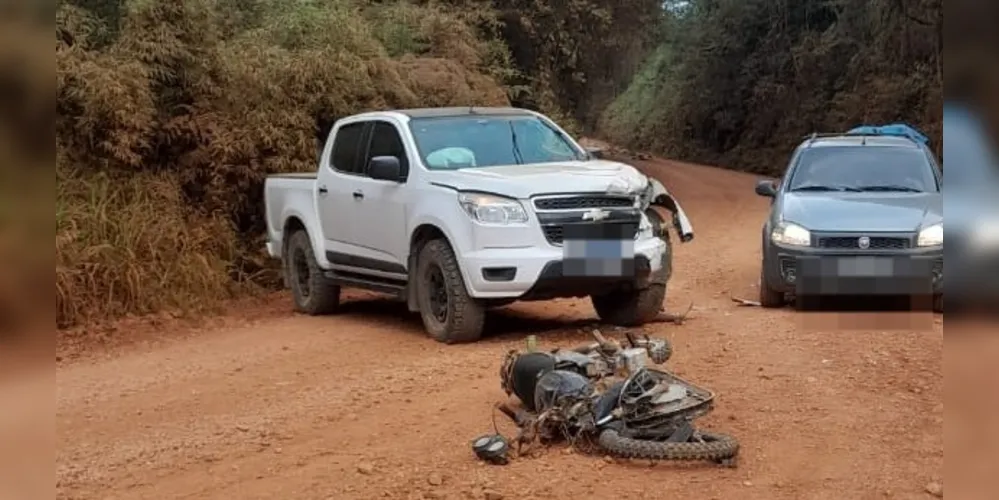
(715, 446)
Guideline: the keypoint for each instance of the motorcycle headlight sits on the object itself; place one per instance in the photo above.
(787, 233)
(930, 236)
(492, 209)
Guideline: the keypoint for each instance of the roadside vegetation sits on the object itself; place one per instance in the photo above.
(738, 83)
(171, 113)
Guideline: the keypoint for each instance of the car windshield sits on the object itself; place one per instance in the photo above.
(450, 143)
(864, 168)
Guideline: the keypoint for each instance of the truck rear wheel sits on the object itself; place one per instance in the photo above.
(312, 292)
(449, 314)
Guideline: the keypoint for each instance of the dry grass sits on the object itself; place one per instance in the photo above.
(132, 246)
(168, 127)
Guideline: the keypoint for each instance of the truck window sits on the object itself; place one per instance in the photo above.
(346, 148)
(385, 141)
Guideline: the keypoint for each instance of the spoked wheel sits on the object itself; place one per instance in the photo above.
(713, 446)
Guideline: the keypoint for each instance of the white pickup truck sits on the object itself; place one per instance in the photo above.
(456, 210)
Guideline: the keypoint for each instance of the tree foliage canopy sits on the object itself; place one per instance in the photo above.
(738, 82)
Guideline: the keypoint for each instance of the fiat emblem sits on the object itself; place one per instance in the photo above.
(864, 242)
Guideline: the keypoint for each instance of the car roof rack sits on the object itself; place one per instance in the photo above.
(864, 131)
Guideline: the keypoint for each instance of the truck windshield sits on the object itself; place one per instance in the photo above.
(450, 143)
(864, 168)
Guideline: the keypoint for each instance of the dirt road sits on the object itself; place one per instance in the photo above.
(365, 406)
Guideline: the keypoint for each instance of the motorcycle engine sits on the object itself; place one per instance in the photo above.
(633, 359)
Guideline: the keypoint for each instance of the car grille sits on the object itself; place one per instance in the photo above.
(582, 202)
(852, 242)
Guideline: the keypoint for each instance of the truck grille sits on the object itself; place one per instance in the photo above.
(582, 202)
(555, 233)
(852, 242)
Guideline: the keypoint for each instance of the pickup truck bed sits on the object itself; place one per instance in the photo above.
(297, 175)
(288, 197)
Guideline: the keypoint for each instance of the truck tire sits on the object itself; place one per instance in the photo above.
(769, 297)
(637, 306)
(630, 308)
(312, 292)
(938, 303)
(449, 314)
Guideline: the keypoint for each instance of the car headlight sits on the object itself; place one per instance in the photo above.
(786, 233)
(930, 236)
(492, 209)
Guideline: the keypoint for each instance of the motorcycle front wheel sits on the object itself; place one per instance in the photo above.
(704, 446)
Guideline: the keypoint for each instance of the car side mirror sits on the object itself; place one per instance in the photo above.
(767, 189)
(595, 153)
(385, 168)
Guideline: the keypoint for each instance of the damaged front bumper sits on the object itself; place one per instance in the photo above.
(657, 194)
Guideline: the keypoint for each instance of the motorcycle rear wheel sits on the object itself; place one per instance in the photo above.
(713, 446)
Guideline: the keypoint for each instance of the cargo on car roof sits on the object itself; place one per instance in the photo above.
(894, 129)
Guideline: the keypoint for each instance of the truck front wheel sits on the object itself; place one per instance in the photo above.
(312, 292)
(637, 306)
(449, 314)
(630, 308)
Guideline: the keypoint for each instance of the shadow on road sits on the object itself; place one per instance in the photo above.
(502, 324)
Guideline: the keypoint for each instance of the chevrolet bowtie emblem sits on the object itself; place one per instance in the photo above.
(596, 215)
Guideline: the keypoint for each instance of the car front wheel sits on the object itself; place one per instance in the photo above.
(769, 297)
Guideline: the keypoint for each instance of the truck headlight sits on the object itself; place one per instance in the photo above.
(492, 209)
(787, 233)
(930, 236)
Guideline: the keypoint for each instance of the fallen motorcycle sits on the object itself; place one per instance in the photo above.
(606, 391)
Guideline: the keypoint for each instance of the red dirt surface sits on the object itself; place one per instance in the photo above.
(364, 405)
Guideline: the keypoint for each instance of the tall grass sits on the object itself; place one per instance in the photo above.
(131, 245)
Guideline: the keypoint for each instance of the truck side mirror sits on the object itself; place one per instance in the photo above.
(595, 153)
(385, 168)
(766, 188)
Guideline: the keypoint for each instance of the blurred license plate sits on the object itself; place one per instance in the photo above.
(866, 266)
(598, 250)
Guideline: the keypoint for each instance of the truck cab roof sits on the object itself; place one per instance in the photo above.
(449, 112)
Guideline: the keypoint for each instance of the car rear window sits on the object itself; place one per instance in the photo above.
(864, 168)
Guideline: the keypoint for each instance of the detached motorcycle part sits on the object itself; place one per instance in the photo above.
(521, 372)
(702, 446)
(492, 448)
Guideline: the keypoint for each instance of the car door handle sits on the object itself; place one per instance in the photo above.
(358, 195)
(323, 190)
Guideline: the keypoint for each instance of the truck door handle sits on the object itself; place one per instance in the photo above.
(358, 195)
(323, 190)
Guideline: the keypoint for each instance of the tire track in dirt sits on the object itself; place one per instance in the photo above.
(365, 406)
